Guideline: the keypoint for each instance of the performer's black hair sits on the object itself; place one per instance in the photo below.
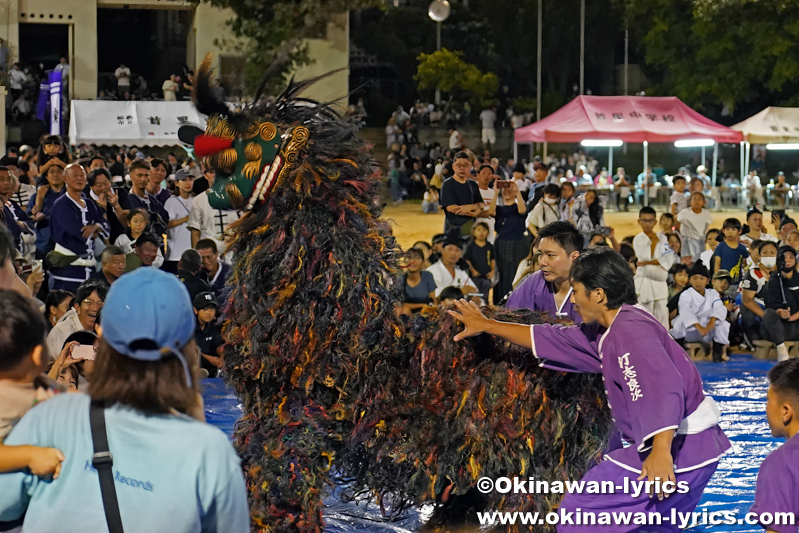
(604, 268)
(784, 378)
(565, 234)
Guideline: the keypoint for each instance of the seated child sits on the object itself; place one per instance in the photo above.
(678, 282)
(22, 383)
(430, 202)
(449, 295)
(778, 478)
(702, 316)
(721, 283)
(713, 238)
(207, 334)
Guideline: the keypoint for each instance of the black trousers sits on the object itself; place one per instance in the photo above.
(777, 330)
(751, 324)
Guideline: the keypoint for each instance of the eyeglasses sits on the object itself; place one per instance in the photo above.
(92, 303)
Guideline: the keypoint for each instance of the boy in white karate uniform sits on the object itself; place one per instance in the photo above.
(655, 258)
(702, 316)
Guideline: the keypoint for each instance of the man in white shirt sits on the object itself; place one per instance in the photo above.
(16, 80)
(455, 141)
(63, 68)
(483, 179)
(21, 107)
(446, 272)
(488, 118)
(122, 74)
(205, 222)
(752, 190)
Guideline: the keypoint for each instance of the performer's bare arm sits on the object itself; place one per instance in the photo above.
(475, 323)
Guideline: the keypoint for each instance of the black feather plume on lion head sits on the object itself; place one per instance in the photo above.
(256, 149)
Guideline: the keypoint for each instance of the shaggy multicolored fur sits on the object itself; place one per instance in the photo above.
(336, 388)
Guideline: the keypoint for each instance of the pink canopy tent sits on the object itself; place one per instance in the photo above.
(636, 119)
(626, 118)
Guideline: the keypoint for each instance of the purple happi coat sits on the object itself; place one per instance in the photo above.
(778, 485)
(537, 294)
(651, 384)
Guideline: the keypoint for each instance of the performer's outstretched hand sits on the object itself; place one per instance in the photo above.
(473, 320)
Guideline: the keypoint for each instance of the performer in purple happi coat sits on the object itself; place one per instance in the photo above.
(654, 392)
(778, 478)
(548, 289)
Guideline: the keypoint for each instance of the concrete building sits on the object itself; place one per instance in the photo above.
(163, 36)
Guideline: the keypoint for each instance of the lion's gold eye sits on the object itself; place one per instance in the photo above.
(267, 131)
(253, 152)
(224, 160)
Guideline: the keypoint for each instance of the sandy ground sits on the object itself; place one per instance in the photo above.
(411, 225)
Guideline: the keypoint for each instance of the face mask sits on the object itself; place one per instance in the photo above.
(550, 201)
(768, 262)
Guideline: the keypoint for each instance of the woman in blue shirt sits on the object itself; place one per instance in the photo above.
(418, 286)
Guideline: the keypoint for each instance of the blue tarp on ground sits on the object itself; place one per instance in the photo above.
(739, 387)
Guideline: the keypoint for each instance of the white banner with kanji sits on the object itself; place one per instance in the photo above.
(136, 123)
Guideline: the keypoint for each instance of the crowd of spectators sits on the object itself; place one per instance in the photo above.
(89, 245)
(129, 85)
(710, 285)
(25, 80)
(405, 124)
(111, 278)
(79, 222)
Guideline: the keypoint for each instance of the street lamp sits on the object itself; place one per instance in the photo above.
(439, 11)
(782, 146)
(691, 143)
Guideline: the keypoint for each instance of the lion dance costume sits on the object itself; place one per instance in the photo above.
(335, 387)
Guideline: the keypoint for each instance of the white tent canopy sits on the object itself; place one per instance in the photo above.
(772, 125)
(135, 123)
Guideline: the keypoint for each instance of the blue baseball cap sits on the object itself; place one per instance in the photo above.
(148, 315)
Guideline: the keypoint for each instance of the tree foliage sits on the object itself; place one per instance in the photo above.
(722, 52)
(272, 33)
(501, 37)
(447, 72)
(397, 35)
